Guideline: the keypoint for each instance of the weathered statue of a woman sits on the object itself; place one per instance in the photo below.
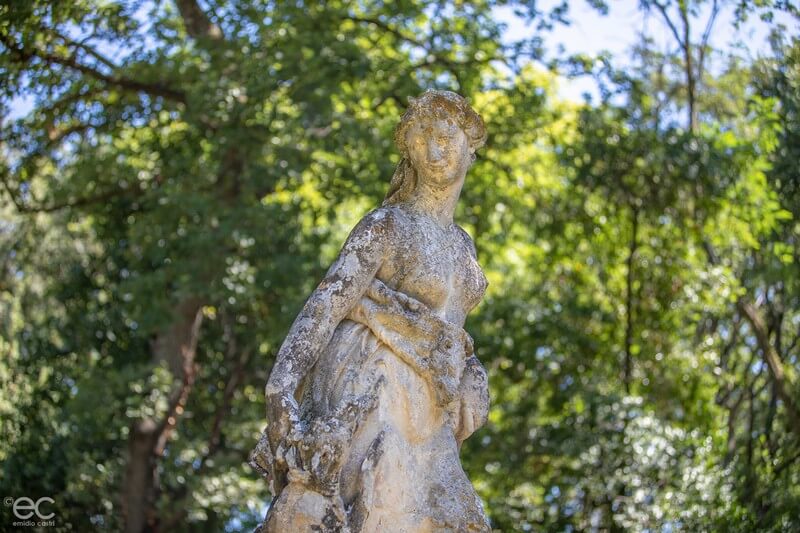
(376, 386)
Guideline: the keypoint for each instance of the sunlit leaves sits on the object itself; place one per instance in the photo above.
(232, 169)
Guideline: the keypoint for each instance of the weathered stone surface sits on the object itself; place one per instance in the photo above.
(376, 386)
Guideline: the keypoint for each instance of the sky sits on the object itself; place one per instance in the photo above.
(617, 32)
(591, 33)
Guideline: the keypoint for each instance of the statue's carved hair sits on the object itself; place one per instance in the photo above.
(439, 104)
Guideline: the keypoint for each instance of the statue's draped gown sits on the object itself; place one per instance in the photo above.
(402, 471)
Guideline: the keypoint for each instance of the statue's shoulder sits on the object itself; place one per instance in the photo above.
(387, 220)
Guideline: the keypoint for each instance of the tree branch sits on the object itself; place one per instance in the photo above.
(68, 98)
(788, 462)
(153, 89)
(691, 81)
(773, 361)
(704, 40)
(86, 200)
(86, 48)
(663, 10)
(387, 28)
(178, 346)
(196, 22)
(629, 320)
(793, 343)
(237, 373)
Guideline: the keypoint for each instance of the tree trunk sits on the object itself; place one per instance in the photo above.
(691, 83)
(773, 361)
(634, 244)
(176, 345)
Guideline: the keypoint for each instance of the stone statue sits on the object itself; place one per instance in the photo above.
(376, 386)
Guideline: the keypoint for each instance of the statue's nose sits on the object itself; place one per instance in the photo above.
(435, 152)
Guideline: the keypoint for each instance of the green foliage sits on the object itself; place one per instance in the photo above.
(222, 155)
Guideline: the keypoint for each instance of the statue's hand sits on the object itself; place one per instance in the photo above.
(262, 458)
(321, 452)
(275, 455)
(447, 363)
(324, 443)
(474, 399)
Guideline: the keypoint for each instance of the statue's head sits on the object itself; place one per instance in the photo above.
(437, 138)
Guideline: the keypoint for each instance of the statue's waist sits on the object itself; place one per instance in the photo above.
(407, 326)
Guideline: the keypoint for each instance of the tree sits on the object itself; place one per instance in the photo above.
(184, 163)
(190, 168)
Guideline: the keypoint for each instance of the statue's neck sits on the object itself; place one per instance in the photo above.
(437, 203)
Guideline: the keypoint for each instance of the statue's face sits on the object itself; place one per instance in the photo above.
(438, 149)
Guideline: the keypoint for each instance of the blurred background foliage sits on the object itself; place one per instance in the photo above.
(189, 169)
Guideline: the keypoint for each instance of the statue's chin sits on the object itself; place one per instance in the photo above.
(440, 177)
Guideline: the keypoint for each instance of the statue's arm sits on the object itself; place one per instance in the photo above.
(343, 285)
(474, 396)
(474, 387)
